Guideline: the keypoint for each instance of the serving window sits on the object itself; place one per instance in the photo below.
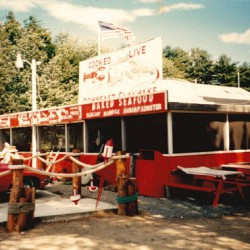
(146, 132)
(193, 132)
(99, 131)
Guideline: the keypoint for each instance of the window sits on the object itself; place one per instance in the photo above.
(52, 138)
(5, 134)
(22, 139)
(101, 130)
(75, 135)
(146, 132)
(198, 132)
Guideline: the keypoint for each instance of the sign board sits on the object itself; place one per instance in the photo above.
(132, 105)
(124, 106)
(42, 117)
(120, 73)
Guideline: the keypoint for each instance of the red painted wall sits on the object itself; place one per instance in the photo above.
(153, 175)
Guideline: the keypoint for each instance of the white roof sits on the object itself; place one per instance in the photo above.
(187, 92)
(224, 98)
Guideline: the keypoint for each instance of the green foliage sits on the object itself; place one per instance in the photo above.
(201, 67)
(244, 75)
(180, 59)
(226, 71)
(198, 66)
(60, 78)
(58, 74)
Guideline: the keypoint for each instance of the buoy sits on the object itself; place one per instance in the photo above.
(75, 198)
(108, 149)
(92, 188)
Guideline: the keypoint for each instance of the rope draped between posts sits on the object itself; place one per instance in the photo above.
(37, 155)
(70, 156)
(5, 173)
(47, 154)
(90, 168)
(52, 162)
(84, 165)
(62, 175)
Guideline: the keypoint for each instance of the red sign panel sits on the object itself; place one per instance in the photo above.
(132, 105)
(148, 103)
(42, 117)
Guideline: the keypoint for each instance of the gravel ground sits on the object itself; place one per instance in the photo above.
(190, 205)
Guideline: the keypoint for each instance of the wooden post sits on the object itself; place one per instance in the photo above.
(132, 206)
(15, 194)
(121, 192)
(121, 182)
(26, 218)
(76, 181)
(126, 189)
(21, 203)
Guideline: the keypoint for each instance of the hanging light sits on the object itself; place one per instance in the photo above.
(19, 61)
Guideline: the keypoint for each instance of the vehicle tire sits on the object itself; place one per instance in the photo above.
(30, 182)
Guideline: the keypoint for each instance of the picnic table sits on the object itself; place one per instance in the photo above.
(243, 167)
(222, 181)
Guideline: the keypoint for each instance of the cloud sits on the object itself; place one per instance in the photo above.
(180, 6)
(143, 12)
(88, 16)
(149, 1)
(17, 5)
(240, 38)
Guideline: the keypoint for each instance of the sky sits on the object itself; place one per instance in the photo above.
(217, 26)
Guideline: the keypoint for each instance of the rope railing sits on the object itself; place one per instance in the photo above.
(62, 175)
(52, 162)
(37, 155)
(5, 173)
(84, 165)
(68, 155)
(90, 169)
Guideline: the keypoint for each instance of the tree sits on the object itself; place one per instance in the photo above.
(244, 74)
(225, 71)
(201, 67)
(12, 28)
(180, 59)
(170, 70)
(60, 79)
(35, 43)
(10, 32)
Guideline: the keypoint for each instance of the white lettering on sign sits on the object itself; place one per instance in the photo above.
(111, 112)
(93, 114)
(153, 107)
(103, 105)
(136, 100)
(5, 121)
(131, 110)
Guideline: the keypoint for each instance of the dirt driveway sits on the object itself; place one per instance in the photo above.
(152, 229)
(142, 232)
